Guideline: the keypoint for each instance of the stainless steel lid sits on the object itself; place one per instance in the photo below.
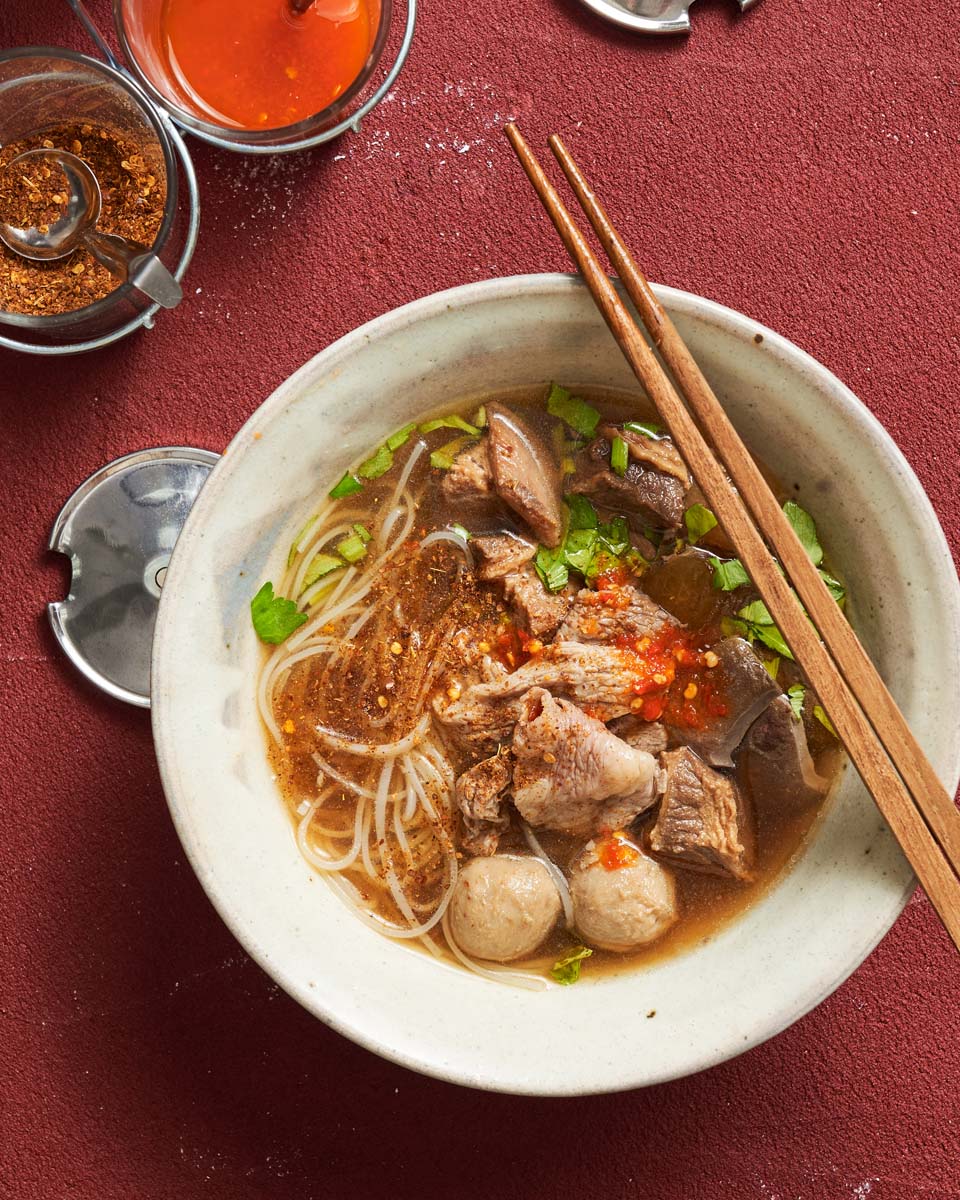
(650, 16)
(118, 530)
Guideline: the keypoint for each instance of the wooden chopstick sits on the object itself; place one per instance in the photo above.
(864, 680)
(930, 859)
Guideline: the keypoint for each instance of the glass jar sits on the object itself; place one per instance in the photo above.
(41, 88)
(138, 29)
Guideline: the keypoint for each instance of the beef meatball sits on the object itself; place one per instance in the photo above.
(621, 901)
(503, 907)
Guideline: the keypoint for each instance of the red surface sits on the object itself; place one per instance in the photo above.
(799, 164)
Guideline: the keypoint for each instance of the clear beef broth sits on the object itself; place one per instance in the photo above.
(427, 609)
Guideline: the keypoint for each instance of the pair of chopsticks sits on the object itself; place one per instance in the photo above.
(887, 757)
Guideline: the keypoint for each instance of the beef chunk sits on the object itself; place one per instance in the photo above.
(659, 453)
(775, 762)
(500, 554)
(469, 478)
(479, 793)
(572, 774)
(745, 688)
(643, 493)
(594, 676)
(642, 735)
(601, 617)
(540, 612)
(524, 473)
(703, 823)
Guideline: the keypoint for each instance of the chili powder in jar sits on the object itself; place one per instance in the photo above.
(133, 193)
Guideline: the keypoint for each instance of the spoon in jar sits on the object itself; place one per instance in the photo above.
(79, 202)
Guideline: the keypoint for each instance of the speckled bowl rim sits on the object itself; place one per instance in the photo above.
(680, 303)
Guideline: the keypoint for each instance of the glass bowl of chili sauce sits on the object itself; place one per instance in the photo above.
(259, 77)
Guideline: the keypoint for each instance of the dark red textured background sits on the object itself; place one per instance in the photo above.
(799, 164)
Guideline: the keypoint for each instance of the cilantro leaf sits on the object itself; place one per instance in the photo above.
(835, 587)
(728, 576)
(699, 521)
(274, 617)
(761, 626)
(772, 666)
(805, 529)
(795, 695)
(552, 568)
(615, 535)
(582, 513)
(567, 969)
(579, 415)
(578, 549)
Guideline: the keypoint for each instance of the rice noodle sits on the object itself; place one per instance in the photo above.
(372, 750)
(320, 860)
(448, 535)
(553, 870)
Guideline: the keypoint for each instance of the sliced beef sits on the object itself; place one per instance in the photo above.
(594, 676)
(572, 774)
(469, 478)
(500, 554)
(642, 735)
(703, 823)
(479, 792)
(775, 762)
(642, 493)
(540, 612)
(659, 453)
(524, 473)
(621, 612)
(745, 688)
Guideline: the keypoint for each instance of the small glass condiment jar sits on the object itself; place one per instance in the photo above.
(138, 26)
(42, 88)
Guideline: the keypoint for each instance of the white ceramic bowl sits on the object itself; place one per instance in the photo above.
(761, 972)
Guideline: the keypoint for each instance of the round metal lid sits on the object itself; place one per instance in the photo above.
(650, 16)
(118, 530)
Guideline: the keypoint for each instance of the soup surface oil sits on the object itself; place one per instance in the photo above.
(256, 65)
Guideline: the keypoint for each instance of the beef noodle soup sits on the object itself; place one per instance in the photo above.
(523, 702)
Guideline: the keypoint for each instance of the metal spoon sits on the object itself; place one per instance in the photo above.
(129, 261)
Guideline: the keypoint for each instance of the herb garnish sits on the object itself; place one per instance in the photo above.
(795, 695)
(579, 415)
(567, 969)
(824, 720)
(274, 617)
(646, 428)
(442, 459)
(378, 464)
(619, 456)
(729, 575)
(451, 421)
(346, 487)
(699, 521)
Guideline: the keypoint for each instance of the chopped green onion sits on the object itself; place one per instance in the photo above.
(576, 412)
(353, 548)
(728, 576)
(773, 666)
(274, 617)
(824, 720)
(460, 531)
(295, 544)
(582, 513)
(699, 521)
(805, 529)
(567, 969)
(619, 456)
(401, 437)
(480, 417)
(346, 487)
(320, 565)
(567, 466)
(377, 465)
(647, 428)
(443, 458)
(363, 534)
(795, 695)
(450, 422)
(552, 568)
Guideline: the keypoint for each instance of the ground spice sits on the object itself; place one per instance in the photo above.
(133, 193)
